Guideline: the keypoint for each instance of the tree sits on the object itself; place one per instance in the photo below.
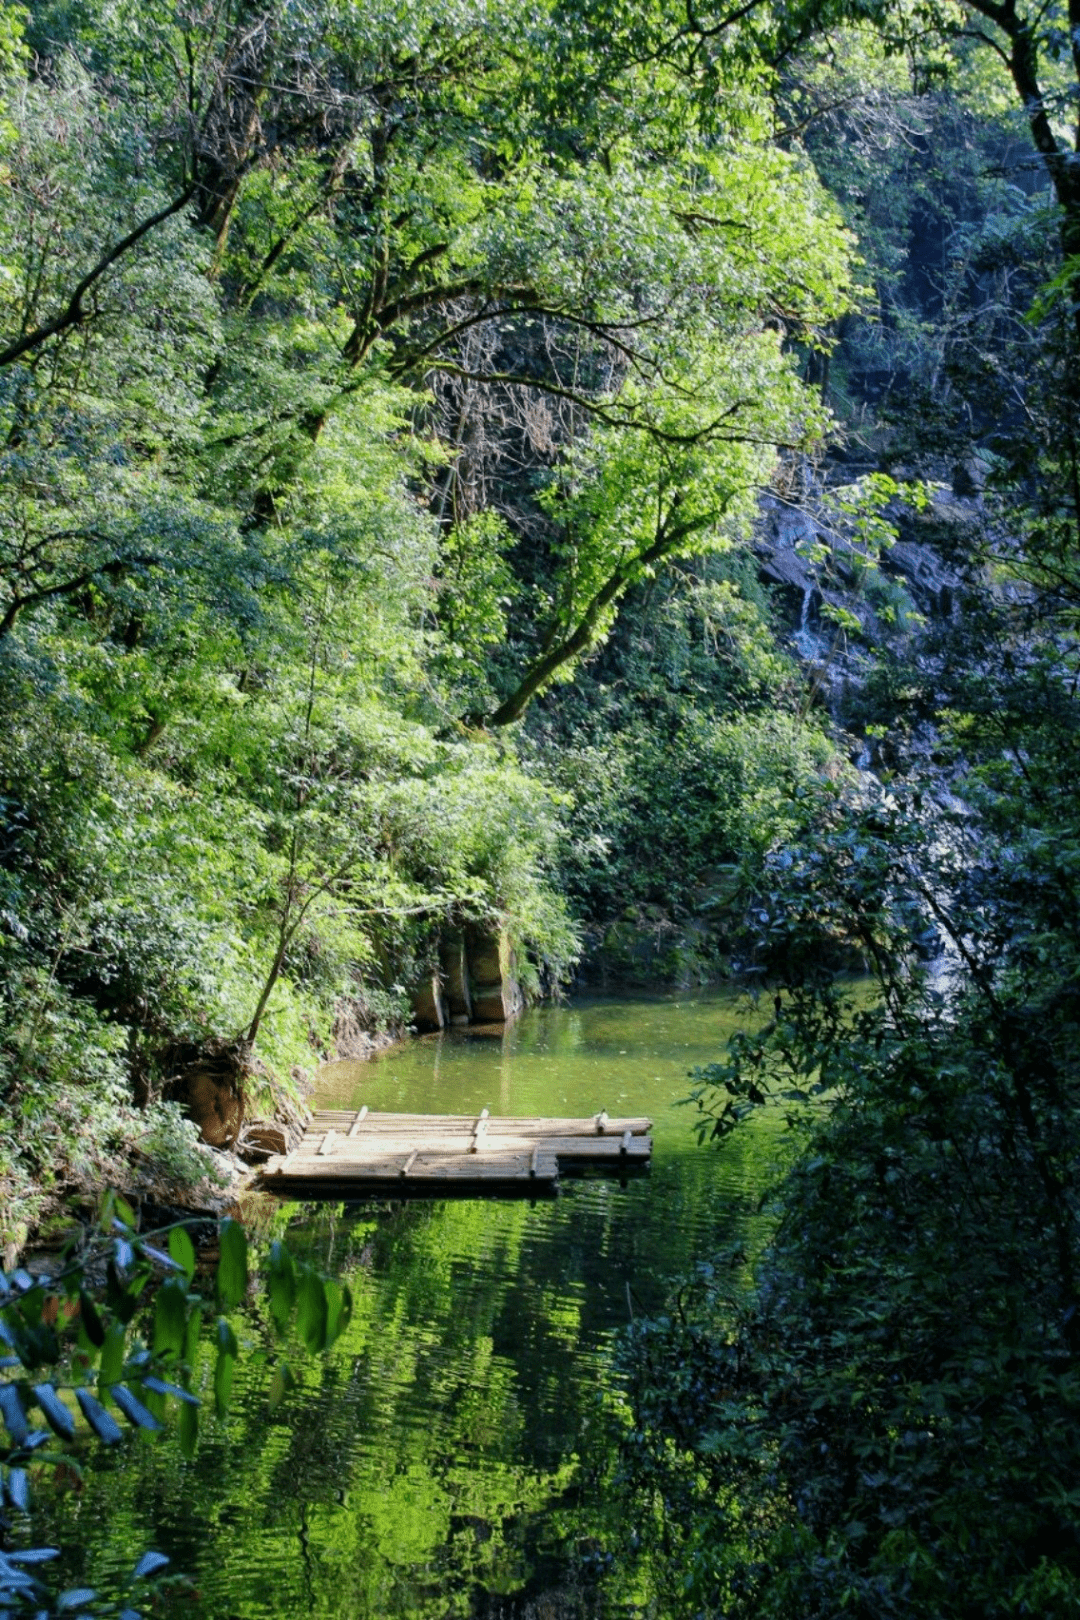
(353, 194)
(681, 482)
(882, 1427)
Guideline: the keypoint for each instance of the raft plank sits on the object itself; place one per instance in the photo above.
(325, 1118)
(429, 1175)
(362, 1151)
(347, 1153)
(391, 1164)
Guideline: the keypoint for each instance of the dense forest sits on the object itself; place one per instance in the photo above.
(606, 475)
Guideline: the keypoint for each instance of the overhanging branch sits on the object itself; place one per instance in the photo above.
(73, 313)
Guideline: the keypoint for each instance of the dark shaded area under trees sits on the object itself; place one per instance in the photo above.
(888, 1427)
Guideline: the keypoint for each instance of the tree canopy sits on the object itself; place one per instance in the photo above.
(355, 364)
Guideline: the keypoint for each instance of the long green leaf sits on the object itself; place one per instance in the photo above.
(338, 1309)
(282, 1381)
(170, 1317)
(112, 1355)
(281, 1285)
(188, 1430)
(311, 1311)
(191, 1337)
(226, 1338)
(224, 1368)
(91, 1320)
(182, 1250)
(232, 1264)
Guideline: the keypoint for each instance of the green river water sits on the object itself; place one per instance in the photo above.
(448, 1456)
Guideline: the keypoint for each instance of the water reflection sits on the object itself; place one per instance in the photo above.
(448, 1457)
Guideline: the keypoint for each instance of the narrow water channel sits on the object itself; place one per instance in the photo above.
(448, 1456)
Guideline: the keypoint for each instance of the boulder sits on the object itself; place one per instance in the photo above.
(455, 976)
(429, 1010)
(493, 987)
(211, 1090)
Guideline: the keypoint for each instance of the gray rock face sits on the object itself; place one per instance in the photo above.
(838, 598)
(475, 982)
(932, 586)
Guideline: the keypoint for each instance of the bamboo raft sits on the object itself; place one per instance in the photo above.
(349, 1154)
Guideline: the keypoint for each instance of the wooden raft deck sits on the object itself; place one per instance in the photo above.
(357, 1154)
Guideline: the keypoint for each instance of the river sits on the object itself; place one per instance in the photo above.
(451, 1455)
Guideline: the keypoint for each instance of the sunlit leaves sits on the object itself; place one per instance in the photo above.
(182, 1250)
(217, 507)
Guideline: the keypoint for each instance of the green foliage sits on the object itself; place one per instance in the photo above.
(369, 376)
(68, 1346)
(888, 1428)
(283, 404)
(477, 585)
(685, 760)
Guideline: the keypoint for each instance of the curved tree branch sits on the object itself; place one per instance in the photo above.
(68, 587)
(583, 635)
(73, 314)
